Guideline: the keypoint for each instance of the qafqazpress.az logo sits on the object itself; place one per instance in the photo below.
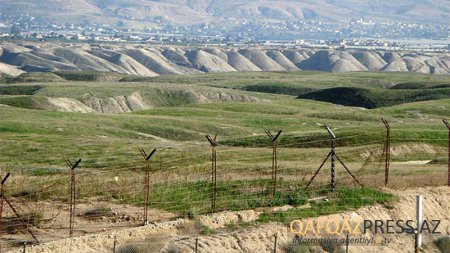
(323, 228)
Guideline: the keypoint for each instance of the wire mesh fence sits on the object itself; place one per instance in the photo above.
(269, 243)
(181, 183)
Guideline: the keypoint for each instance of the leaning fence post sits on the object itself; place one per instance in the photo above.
(8, 202)
(2, 191)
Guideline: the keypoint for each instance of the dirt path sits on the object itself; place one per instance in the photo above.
(180, 235)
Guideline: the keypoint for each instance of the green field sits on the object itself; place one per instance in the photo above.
(36, 136)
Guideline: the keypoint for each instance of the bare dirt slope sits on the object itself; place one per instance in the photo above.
(9, 70)
(371, 60)
(241, 63)
(140, 100)
(282, 60)
(131, 66)
(259, 238)
(208, 62)
(260, 59)
(335, 61)
(145, 60)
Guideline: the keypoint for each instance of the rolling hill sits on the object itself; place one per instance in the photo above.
(47, 117)
(372, 98)
(161, 60)
(103, 92)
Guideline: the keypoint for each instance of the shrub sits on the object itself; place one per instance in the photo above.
(132, 248)
(332, 245)
(33, 218)
(12, 225)
(443, 244)
(297, 247)
(204, 229)
(99, 211)
(192, 214)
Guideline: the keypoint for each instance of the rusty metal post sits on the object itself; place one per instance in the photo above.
(448, 159)
(8, 202)
(347, 242)
(146, 193)
(72, 201)
(333, 155)
(213, 142)
(317, 171)
(196, 245)
(20, 218)
(2, 192)
(115, 243)
(1, 213)
(348, 170)
(275, 243)
(274, 157)
(387, 151)
(333, 169)
(146, 181)
(416, 246)
(274, 139)
(215, 177)
(72, 168)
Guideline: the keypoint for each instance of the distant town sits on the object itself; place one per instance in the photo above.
(358, 34)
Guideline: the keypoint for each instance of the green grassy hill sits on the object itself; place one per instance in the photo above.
(181, 110)
(373, 98)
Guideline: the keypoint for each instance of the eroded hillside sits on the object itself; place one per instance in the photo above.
(145, 60)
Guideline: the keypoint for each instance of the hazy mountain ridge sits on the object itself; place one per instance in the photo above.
(163, 60)
(199, 11)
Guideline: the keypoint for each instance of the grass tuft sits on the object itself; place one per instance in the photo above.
(443, 244)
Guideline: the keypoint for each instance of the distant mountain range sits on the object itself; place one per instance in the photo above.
(141, 13)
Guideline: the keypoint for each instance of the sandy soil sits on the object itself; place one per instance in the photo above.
(179, 235)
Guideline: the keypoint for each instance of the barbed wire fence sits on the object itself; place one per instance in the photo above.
(188, 184)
